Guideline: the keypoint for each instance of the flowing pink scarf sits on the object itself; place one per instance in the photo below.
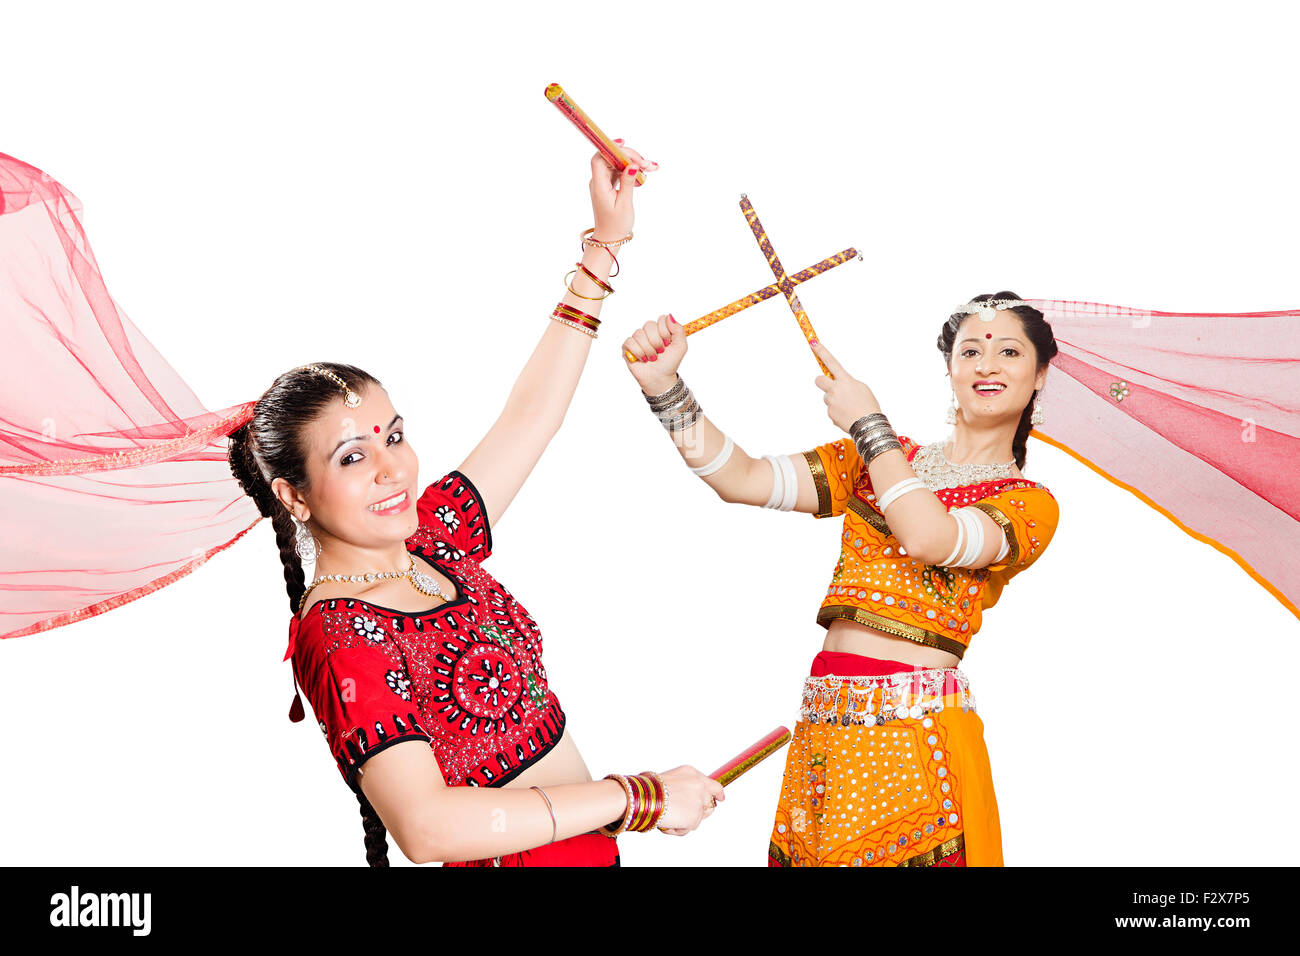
(1196, 413)
(114, 482)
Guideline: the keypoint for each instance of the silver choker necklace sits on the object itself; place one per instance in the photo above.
(937, 472)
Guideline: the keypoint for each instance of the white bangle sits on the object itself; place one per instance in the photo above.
(974, 537)
(973, 534)
(894, 492)
(718, 462)
(791, 494)
(778, 483)
(785, 486)
(961, 540)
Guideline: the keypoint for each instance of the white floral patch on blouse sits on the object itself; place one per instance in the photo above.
(368, 628)
(447, 552)
(448, 516)
(399, 684)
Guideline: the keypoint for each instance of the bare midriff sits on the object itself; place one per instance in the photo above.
(850, 637)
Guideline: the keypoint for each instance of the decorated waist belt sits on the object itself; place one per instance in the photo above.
(876, 700)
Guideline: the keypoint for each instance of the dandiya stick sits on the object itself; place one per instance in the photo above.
(761, 295)
(751, 756)
(782, 280)
(608, 148)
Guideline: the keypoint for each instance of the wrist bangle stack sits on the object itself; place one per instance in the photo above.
(873, 435)
(647, 800)
(576, 318)
(676, 408)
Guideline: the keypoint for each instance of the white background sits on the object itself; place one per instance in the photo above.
(272, 184)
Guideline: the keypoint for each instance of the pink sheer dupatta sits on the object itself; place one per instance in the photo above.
(113, 476)
(114, 481)
(1195, 413)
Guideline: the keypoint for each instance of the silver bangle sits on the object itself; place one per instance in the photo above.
(549, 808)
(688, 418)
(669, 396)
(875, 418)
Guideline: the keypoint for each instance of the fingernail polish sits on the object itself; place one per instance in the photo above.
(671, 319)
(619, 141)
(661, 351)
(654, 358)
(631, 170)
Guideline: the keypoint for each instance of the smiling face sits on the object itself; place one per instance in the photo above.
(994, 352)
(357, 458)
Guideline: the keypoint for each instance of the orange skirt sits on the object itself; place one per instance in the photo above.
(886, 767)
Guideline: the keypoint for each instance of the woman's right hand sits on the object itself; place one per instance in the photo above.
(692, 796)
(659, 347)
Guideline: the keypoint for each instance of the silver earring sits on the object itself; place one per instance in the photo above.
(307, 546)
(951, 418)
(1036, 416)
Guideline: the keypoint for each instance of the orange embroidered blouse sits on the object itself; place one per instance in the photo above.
(878, 584)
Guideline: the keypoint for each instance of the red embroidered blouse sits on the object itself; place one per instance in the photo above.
(466, 676)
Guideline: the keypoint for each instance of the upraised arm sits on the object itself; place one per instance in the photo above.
(540, 398)
(783, 481)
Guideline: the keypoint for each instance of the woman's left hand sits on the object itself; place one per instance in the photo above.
(847, 399)
(612, 206)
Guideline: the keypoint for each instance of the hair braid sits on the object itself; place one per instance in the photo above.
(376, 833)
(272, 444)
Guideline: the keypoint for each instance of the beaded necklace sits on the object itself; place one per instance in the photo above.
(937, 472)
(419, 580)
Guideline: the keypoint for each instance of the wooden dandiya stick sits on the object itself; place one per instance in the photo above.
(782, 280)
(751, 756)
(761, 295)
(607, 147)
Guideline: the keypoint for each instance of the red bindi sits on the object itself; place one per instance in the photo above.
(376, 429)
(987, 335)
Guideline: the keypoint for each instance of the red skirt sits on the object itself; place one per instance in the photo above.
(585, 849)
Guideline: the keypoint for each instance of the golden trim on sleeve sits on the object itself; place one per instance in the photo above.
(1013, 554)
(821, 482)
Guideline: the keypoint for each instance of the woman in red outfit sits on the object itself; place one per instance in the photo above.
(403, 637)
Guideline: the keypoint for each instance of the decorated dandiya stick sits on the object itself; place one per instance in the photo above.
(763, 294)
(782, 280)
(751, 756)
(607, 147)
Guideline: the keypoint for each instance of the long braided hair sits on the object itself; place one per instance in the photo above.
(272, 445)
(1039, 332)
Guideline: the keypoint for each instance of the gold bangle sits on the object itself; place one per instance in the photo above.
(661, 799)
(597, 280)
(627, 788)
(645, 799)
(589, 239)
(574, 325)
(589, 298)
(577, 315)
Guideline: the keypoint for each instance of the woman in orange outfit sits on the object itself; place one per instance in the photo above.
(887, 765)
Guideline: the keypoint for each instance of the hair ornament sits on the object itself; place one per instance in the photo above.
(350, 398)
(986, 310)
